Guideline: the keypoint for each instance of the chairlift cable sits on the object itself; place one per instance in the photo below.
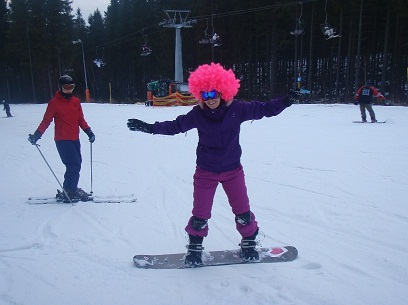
(238, 12)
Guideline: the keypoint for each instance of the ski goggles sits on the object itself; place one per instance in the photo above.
(68, 86)
(209, 95)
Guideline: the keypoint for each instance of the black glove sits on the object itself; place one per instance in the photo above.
(292, 97)
(355, 103)
(138, 125)
(90, 134)
(33, 138)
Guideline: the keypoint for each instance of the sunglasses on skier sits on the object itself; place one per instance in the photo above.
(68, 86)
(209, 95)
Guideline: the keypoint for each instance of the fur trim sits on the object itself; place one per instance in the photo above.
(213, 76)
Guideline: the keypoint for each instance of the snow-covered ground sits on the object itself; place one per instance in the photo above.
(336, 190)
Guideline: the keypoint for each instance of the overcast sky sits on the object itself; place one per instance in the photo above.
(89, 6)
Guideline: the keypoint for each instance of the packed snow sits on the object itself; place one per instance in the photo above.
(335, 190)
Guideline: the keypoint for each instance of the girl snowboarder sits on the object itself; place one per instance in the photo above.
(217, 118)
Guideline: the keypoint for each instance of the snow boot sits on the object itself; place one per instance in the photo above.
(194, 251)
(82, 195)
(248, 251)
(373, 120)
(62, 196)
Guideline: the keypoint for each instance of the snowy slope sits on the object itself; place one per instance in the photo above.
(335, 190)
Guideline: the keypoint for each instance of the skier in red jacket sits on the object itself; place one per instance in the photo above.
(66, 111)
(364, 97)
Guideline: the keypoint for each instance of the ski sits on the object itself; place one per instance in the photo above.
(215, 258)
(114, 199)
(96, 199)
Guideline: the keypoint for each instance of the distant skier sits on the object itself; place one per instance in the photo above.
(66, 111)
(218, 119)
(364, 97)
(7, 109)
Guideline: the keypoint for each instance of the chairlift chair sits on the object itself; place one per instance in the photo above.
(328, 31)
(98, 61)
(146, 51)
(204, 41)
(298, 30)
(207, 38)
(216, 40)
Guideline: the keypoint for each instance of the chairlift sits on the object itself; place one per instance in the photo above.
(98, 61)
(298, 29)
(204, 40)
(207, 38)
(327, 30)
(216, 40)
(297, 32)
(146, 50)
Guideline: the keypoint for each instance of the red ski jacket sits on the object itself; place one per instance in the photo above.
(67, 115)
(365, 94)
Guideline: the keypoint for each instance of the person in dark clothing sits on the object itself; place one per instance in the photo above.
(364, 98)
(66, 111)
(7, 109)
(218, 119)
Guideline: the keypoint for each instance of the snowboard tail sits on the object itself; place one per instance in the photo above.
(215, 258)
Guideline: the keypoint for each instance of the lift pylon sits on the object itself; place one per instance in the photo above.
(178, 19)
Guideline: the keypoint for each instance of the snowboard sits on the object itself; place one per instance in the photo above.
(215, 258)
(369, 122)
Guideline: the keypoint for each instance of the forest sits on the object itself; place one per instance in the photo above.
(326, 48)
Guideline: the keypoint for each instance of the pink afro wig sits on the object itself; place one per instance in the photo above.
(213, 76)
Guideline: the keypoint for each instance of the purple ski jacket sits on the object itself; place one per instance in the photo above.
(218, 148)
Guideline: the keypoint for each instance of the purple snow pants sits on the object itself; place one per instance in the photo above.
(233, 183)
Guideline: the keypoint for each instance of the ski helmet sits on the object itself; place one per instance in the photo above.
(65, 80)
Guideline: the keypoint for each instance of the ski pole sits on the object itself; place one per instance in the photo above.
(91, 169)
(38, 147)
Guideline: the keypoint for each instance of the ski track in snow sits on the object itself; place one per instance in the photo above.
(335, 190)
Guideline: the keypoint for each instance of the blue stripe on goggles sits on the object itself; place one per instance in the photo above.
(209, 95)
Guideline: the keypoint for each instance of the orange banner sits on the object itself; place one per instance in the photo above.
(174, 99)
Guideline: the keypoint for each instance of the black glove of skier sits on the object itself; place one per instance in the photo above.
(138, 125)
(90, 134)
(355, 103)
(292, 97)
(33, 138)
